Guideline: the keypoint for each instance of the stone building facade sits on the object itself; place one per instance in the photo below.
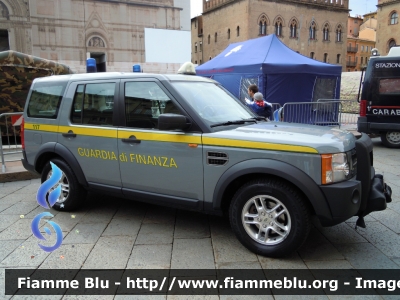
(388, 31)
(316, 29)
(70, 31)
(361, 38)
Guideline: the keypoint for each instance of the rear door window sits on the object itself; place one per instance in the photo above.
(94, 104)
(390, 86)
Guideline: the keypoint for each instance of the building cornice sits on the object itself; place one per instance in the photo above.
(134, 3)
(316, 4)
(219, 6)
(387, 3)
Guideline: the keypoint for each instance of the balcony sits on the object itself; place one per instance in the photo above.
(351, 63)
(352, 49)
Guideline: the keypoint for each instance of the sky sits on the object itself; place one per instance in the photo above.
(358, 7)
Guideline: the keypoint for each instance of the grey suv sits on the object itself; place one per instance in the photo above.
(184, 141)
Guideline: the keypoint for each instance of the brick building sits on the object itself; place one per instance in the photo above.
(388, 31)
(70, 31)
(316, 29)
(361, 39)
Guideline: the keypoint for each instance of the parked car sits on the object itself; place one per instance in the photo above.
(184, 141)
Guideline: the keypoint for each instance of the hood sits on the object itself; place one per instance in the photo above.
(322, 139)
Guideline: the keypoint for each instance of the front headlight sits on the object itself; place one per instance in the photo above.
(335, 168)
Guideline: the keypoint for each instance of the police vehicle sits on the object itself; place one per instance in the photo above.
(380, 98)
(184, 141)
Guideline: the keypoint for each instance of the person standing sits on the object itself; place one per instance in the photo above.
(252, 89)
(260, 106)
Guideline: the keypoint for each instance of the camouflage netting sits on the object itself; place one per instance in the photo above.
(17, 71)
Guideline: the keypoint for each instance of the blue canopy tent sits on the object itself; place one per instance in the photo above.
(281, 74)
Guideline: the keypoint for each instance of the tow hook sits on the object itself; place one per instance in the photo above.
(360, 222)
(387, 191)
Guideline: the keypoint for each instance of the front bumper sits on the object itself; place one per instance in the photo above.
(360, 196)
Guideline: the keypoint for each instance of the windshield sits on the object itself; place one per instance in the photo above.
(212, 102)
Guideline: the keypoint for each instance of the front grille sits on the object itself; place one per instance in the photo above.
(217, 158)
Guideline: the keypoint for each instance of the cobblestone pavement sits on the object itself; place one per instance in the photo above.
(114, 233)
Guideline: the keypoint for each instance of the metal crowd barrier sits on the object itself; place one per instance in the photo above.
(9, 131)
(349, 112)
(325, 112)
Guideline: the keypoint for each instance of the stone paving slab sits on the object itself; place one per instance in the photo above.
(150, 257)
(105, 255)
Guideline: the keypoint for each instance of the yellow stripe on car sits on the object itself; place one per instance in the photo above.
(169, 137)
(256, 145)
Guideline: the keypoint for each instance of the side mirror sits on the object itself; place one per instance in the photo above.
(172, 122)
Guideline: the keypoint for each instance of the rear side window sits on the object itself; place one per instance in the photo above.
(389, 86)
(45, 100)
(94, 104)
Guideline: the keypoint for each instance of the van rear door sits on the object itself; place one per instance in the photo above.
(382, 91)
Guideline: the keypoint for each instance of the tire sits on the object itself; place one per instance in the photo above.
(72, 194)
(283, 210)
(391, 139)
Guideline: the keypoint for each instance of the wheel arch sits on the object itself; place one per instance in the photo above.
(53, 150)
(248, 170)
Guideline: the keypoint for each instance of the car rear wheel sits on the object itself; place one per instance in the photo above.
(72, 193)
(270, 217)
(391, 139)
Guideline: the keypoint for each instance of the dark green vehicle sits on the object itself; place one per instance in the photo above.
(17, 71)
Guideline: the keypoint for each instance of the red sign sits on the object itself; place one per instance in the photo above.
(16, 120)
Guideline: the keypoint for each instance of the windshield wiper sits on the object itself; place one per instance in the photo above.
(259, 118)
(234, 122)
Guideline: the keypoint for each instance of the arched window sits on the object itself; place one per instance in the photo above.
(209, 39)
(229, 34)
(362, 60)
(394, 18)
(325, 57)
(339, 33)
(237, 31)
(312, 55)
(326, 32)
(312, 30)
(338, 59)
(278, 27)
(262, 28)
(262, 25)
(201, 46)
(195, 47)
(293, 29)
(215, 37)
(210, 57)
(391, 44)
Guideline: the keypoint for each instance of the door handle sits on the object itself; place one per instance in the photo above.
(132, 140)
(69, 134)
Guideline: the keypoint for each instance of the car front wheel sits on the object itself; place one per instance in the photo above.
(270, 217)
